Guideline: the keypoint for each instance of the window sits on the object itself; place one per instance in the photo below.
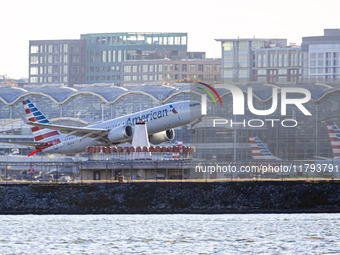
(227, 72)
(119, 56)
(34, 70)
(228, 64)
(34, 60)
(113, 56)
(243, 46)
(34, 80)
(200, 68)
(127, 69)
(217, 68)
(177, 67)
(75, 59)
(184, 68)
(208, 68)
(109, 59)
(168, 68)
(192, 68)
(144, 68)
(134, 68)
(34, 49)
(228, 46)
(55, 59)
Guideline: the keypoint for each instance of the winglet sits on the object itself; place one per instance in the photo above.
(34, 152)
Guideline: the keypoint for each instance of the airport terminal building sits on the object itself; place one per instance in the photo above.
(90, 103)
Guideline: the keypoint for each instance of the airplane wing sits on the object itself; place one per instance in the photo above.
(96, 133)
(24, 143)
(324, 158)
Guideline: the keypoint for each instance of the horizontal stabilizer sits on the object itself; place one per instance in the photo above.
(24, 143)
(69, 129)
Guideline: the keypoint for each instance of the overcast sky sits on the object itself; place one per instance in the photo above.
(204, 21)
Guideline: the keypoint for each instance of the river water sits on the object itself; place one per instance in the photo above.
(171, 234)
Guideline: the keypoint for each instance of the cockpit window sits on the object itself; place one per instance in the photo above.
(193, 104)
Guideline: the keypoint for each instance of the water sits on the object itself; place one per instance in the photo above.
(170, 234)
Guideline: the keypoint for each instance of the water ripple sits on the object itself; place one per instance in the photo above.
(170, 234)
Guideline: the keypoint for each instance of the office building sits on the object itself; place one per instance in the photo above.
(105, 52)
(259, 60)
(321, 57)
(56, 61)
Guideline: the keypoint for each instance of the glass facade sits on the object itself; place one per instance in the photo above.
(90, 104)
(105, 53)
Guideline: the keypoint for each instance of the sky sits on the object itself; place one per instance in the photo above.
(204, 21)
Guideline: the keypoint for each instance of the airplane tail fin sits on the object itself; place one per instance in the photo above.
(334, 136)
(47, 137)
(179, 142)
(259, 150)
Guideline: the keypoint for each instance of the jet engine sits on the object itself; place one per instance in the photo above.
(120, 134)
(162, 137)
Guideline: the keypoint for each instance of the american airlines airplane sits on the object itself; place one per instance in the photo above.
(161, 120)
(260, 151)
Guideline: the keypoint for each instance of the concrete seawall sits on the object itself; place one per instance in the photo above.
(173, 197)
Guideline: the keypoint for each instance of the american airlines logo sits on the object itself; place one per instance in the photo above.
(240, 98)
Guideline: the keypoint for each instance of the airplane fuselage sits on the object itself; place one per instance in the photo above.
(157, 119)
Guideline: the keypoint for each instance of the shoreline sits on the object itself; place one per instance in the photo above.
(171, 198)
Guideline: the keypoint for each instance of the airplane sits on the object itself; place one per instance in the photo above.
(260, 151)
(161, 121)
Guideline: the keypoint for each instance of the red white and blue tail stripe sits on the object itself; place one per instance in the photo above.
(178, 143)
(260, 151)
(47, 137)
(334, 135)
